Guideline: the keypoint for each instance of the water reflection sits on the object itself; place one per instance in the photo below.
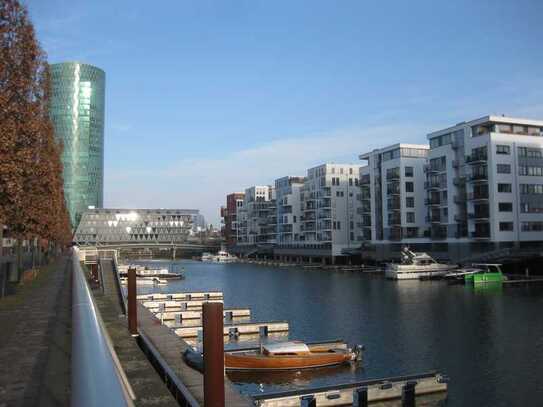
(488, 340)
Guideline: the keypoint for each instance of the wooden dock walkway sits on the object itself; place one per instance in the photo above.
(170, 348)
(204, 295)
(197, 314)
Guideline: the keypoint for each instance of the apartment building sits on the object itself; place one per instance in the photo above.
(229, 216)
(485, 185)
(329, 207)
(289, 209)
(257, 216)
(392, 190)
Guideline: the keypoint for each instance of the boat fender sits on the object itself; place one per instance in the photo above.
(194, 359)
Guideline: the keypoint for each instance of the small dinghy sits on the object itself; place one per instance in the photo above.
(289, 355)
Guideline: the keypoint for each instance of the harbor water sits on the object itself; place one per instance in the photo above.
(489, 341)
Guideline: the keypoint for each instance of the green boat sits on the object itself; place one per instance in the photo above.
(487, 273)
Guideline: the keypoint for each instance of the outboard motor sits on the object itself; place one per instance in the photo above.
(358, 351)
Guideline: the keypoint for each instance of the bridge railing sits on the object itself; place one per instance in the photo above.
(97, 377)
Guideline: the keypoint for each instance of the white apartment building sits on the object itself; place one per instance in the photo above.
(392, 195)
(289, 209)
(256, 218)
(330, 205)
(485, 184)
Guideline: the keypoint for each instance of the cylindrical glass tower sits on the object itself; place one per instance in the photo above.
(77, 113)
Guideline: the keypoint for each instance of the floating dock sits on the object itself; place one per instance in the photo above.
(351, 394)
(204, 295)
(190, 314)
(262, 328)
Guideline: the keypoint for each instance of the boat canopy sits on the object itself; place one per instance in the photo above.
(286, 347)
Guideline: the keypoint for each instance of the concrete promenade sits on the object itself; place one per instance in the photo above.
(35, 340)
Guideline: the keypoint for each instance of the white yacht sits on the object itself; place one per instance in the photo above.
(415, 266)
(221, 257)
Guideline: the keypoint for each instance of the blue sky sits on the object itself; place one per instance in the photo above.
(208, 97)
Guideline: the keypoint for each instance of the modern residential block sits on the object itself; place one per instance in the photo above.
(229, 216)
(492, 169)
(392, 194)
(257, 217)
(288, 192)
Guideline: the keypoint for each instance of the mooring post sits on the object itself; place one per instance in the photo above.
(132, 303)
(408, 394)
(360, 397)
(308, 401)
(213, 354)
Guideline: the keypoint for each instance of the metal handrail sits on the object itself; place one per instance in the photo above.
(97, 377)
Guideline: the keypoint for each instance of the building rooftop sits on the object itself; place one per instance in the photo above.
(366, 156)
(487, 119)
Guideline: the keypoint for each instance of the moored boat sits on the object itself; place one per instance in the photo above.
(417, 266)
(487, 273)
(289, 355)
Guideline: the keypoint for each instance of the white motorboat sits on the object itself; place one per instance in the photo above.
(221, 257)
(145, 281)
(416, 266)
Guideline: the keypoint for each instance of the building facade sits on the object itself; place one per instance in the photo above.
(77, 107)
(392, 189)
(257, 217)
(288, 192)
(229, 217)
(491, 178)
(125, 226)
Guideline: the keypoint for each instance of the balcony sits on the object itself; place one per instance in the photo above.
(395, 220)
(479, 216)
(455, 145)
(476, 159)
(459, 181)
(393, 177)
(478, 177)
(478, 196)
(459, 218)
(433, 201)
(326, 192)
(365, 179)
(456, 164)
(435, 218)
(482, 235)
(325, 203)
(460, 199)
(327, 214)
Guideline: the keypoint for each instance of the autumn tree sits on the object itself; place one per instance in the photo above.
(31, 192)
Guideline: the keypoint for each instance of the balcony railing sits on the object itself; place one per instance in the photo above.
(432, 201)
(478, 196)
(459, 199)
(478, 177)
(476, 158)
(480, 235)
(480, 215)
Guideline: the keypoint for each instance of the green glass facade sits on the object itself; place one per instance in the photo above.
(77, 113)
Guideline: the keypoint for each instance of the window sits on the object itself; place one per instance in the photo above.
(409, 187)
(530, 171)
(410, 217)
(350, 182)
(409, 202)
(532, 226)
(505, 207)
(531, 189)
(504, 169)
(503, 149)
(504, 187)
(350, 171)
(408, 171)
(530, 152)
(506, 226)
(338, 225)
(294, 219)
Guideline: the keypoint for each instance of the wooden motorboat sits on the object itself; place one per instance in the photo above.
(287, 356)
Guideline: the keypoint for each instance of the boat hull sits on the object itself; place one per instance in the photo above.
(257, 361)
(416, 274)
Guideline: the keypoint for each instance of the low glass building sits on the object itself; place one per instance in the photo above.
(123, 226)
(77, 112)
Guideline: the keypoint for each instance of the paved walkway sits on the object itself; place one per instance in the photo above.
(35, 341)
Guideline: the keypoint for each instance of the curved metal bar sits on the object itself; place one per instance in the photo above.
(96, 380)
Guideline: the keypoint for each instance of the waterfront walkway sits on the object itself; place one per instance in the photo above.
(35, 340)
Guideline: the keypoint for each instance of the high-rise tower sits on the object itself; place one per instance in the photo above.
(77, 113)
